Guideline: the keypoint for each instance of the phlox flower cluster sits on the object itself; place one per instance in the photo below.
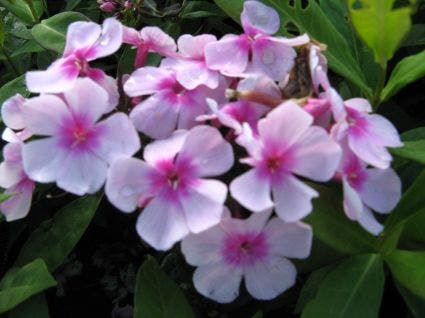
(229, 124)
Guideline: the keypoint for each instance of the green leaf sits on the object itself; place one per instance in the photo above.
(414, 228)
(409, 269)
(54, 239)
(156, 295)
(22, 9)
(416, 304)
(16, 86)
(1, 33)
(310, 287)
(4, 196)
(36, 306)
(71, 4)
(258, 314)
(353, 289)
(407, 71)
(416, 36)
(380, 26)
(413, 150)
(200, 9)
(28, 47)
(314, 21)
(333, 227)
(51, 33)
(21, 283)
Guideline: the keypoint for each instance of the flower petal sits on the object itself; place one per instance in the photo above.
(146, 81)
(43, 115)
(292, 198)
(229, 55)
(218, 282)
(81, 173)
(59, 77)
(18, 206)
(289, 239)
(10, 174)
(81, 35)
(203, 205)
(192, 74)
(165, 148)
(118, 138)
(161, 224)
(383, 131)
(381, 190)
(284, 124)
(156, 109)
(259, 18)
(273, 58)
(316, 155)
(193, 46)
(374, 154)
(353, 205)
(267, 279)
(252, 191)
(11, 112)
(127, 180)
(158, 41)
(207, 149)
(369, 223)
(203, 248)
(110, 39)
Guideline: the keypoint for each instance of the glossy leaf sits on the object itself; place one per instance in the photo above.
(353, 289)
(21, 283)
(413, 150)
(22, 9)
(380, 26)
(54, 239)
(36, 306)
(13, 87)
(156, 295)
(51, 33)
(408, 268)
(415, 304)
(2, 35)
(407, 71)
(314, 21)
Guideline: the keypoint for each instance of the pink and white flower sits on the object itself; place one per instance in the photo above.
(287, 144)
(366, 189)
(11, 112)
(190, 66)
(85, 42)
(78, 148)
(272, 56)
(367, 135)
(170, 104)
(170, 185)
(253, 249)
(15, 181)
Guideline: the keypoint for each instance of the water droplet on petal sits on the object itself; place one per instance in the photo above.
(127, 191)
(105, 40)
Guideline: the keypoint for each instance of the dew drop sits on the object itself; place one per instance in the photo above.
(105, 40)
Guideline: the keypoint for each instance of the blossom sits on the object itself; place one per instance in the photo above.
(252, 249)
(190, 66)
(15, 181)
(171, 187)
(11, 112)
(85, 42)
(78, 148)
(272, 56)
(170, 104)
(287, 144)
(149, 39)
(367, 135)
(366, 189)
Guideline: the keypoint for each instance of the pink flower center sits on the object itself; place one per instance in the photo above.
(357, 122)
(245, 249)
(355, 173)
(174, 177)
(79, 134)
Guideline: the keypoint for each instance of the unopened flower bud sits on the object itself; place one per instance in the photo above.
(108, 7)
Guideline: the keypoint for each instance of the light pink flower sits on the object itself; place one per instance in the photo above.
(252, 249)
(11, 112)
(170, 185)
(287, 144)
(171, 104)
(78, 149)
(318, 68)
(366, 189)
(149, 39)
(16, 182)
(190, 66)
(367, 135)
(272, 56)
(85, 42)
